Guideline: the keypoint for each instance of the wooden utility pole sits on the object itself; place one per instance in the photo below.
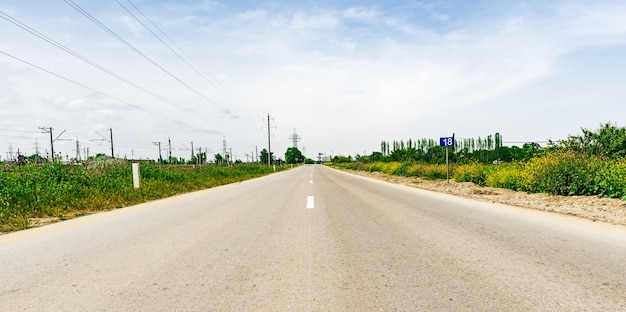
(49, 130)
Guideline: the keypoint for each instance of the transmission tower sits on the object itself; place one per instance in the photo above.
(225, 153)
(295, 138)
(37, 160)
(10, 153)
(77, 150)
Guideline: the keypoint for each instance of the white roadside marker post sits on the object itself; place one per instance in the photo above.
(136, 175)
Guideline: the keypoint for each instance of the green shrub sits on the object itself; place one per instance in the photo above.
(427, 171)
(610, 179)
(509, 176)
(473, 172)
(392, 168)
(374, 167)
(562, 173)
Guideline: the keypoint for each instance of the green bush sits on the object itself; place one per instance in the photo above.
(392, 168)
(473, 172)
(562, 173)
(610, 179)
(509, 176)
(427, 171)
(374, 167)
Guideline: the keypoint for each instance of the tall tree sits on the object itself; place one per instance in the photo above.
(608, 141)
(218, 159)
(264, 156)
(293, 156)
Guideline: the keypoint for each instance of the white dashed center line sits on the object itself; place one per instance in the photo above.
(310, 202)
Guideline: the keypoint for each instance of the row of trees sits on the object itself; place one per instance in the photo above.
(486, 150)
(471, 145)
(608, 141)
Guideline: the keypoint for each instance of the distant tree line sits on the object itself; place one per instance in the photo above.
(485, 150)
(608, 141)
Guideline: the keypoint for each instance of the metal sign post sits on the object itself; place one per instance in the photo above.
(447, 166)
(447, 142)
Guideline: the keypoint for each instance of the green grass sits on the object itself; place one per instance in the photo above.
(66, 191)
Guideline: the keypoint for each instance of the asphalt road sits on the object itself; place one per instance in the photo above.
(315, 239)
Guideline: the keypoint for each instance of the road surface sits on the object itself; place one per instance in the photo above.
(315, 239)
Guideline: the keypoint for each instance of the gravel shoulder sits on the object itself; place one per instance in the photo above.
(595, 208)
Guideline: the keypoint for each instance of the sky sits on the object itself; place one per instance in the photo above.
(343, 75)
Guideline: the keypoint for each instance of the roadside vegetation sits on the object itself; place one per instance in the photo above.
(591, 163)
(63, 191)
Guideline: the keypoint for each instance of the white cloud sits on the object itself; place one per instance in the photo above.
(59, 101)
(598, 21)
(325, 20)
(252, 15)
(514, 24)
(441, 17)
(75, 104)
(405, 28)
(131, 24)
(361, 14)
(209, 5)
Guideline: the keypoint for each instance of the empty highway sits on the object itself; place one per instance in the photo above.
(315, 239)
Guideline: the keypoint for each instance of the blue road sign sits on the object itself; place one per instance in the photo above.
(449, 141)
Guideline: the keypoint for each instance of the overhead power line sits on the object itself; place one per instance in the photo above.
(21, 137)
(86, 87)
(15, 130)
(157, 36)
(15, 136)
(187, 59)
(94, 64)
(136, 50)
